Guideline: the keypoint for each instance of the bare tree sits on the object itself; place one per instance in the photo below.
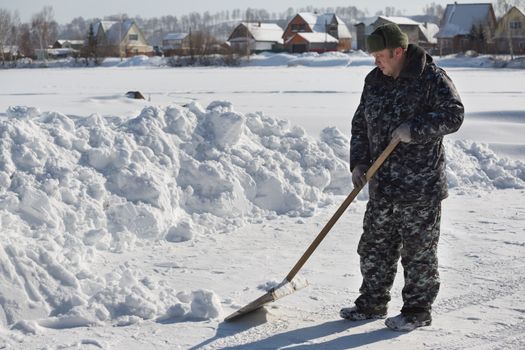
(76, 29)
(44, 27)
(390, 11)
(25, 46)
(501, 7)
(434, 10)
(5, 31)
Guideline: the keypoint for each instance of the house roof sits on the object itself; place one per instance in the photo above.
(265, 31)
(316, 37)
(175, 36)
(429, 30)
(367, 21)
(400, 20)
(73, 42)
(458, 19)
(318, 23)
(115, 30)
(520, 9)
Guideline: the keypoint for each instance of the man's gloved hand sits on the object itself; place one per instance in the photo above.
(403, 133)
(357, 175)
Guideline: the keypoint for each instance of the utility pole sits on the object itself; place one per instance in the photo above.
(509, 29)
(120, 38)
(247, 35)
(325, 35)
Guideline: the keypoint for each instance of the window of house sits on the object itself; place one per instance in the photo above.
(515, 25)
(522, 45)
(133, 37)
(298, 27)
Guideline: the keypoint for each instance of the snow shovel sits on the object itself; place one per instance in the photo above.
(288, 285)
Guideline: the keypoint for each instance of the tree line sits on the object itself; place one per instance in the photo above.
(43, 30)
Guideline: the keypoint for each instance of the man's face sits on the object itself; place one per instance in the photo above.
(390, 61)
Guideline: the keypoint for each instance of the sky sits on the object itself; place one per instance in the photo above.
(66, 10)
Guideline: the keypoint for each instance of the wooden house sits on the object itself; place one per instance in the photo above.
(408, 26)
(311, 42)
(68, 44)
(509, 36)
(120, 39)
(176, 43)
(466, 27)
(313, 32)
(256, 37)
(418, 33)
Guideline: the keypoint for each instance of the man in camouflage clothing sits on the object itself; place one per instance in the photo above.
(407, 97)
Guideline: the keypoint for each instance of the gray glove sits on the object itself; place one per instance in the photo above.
(403, 133)
(358, 173)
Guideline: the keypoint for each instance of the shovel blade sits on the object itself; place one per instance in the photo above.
(283, 289)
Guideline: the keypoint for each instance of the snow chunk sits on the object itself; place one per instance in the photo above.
(21, 112)
(199, 305)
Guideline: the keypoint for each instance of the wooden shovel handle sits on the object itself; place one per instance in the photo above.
(369, 174)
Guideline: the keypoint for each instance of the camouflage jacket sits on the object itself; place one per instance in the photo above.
(423, 96)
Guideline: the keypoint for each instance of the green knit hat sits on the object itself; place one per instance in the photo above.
(387, 36)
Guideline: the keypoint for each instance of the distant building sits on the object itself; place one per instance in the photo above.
(362, 30)
(510, 32)
(408, 26)
(466, 27)
(120, 39)
(176, 43)
(313, 32)
(10, 53)
(256, 37)
(427, 36)
(418, 33)
(68, 44)
(311, 42)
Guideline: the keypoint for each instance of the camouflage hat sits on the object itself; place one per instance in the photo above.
(387, 36)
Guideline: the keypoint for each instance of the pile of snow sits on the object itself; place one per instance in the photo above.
(308, 59)
(474, 165)
(518, 63)
(72, 187)
(462, 61)
(135, 61)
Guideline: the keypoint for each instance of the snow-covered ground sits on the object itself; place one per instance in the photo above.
(141, 224)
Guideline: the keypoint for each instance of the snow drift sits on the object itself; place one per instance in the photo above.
(71, 187)
(270, 59)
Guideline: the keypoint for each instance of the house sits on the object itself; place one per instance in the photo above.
(316, 42)
(62, 53)
(408, 26)
(69, 44)
(256, 37)
(509, 36)
(9, 53)
(427, 36)
(362, 30)
(466, 27)
(418, 33)
(120, 38)
(176, 43)
(325, 28)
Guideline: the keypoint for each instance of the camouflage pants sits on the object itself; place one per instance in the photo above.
(390, 231)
